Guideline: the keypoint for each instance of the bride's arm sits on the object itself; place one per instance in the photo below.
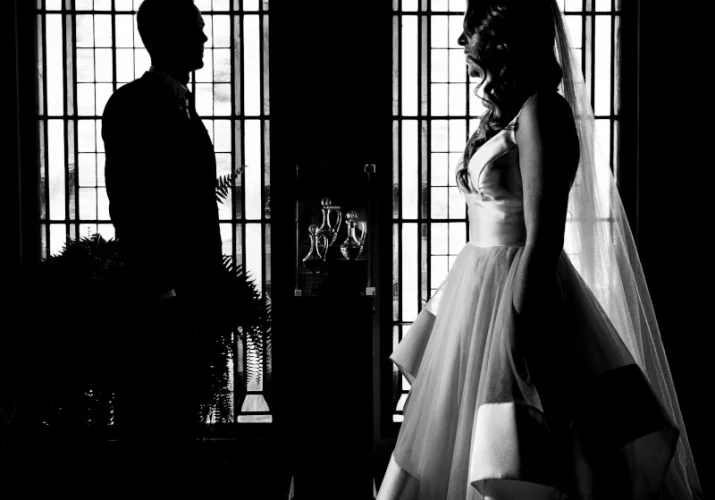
(548, 155)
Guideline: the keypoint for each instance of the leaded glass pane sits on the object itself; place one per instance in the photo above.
(86, 54)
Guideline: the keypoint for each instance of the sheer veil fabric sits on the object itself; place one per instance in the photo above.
(598, 233)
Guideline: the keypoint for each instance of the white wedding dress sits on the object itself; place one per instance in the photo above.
(490, 416)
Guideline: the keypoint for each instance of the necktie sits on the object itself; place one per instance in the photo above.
(191, 104)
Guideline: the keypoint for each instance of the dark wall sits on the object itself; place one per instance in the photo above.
(9, 187)
(19, 186)
(675, 209)
(331, 95)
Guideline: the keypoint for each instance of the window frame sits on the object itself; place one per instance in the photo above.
(38, 221)
(622, 125)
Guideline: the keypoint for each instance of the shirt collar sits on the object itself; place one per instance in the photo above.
(179, 88)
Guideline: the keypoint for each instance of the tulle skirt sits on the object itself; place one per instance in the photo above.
(498, 411)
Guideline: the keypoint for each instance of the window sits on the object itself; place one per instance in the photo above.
(89, 48)
(435, 111)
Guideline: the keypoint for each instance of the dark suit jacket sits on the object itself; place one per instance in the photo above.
(160, 177)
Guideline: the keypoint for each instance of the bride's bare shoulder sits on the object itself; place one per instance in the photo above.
(547, 118)
(547, 134)
(547, 108)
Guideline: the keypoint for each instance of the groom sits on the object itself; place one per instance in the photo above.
(160, 178)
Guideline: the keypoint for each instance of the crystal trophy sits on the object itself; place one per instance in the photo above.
(329, 227)
(315, 255)
(353, 246)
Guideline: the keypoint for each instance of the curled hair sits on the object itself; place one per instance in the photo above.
(513, 43)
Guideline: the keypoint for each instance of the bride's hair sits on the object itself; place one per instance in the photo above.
(512, 42)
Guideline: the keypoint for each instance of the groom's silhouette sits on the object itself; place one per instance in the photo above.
(160, 178)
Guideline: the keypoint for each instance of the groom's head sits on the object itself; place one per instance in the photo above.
(172, 32)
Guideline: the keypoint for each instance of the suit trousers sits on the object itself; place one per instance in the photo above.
(158, 410)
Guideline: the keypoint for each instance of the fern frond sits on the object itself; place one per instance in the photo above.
(223, 187)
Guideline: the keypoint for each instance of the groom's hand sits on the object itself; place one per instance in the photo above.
(168, 294)
(173, 310)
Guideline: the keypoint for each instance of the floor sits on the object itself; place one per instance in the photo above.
(71, 470)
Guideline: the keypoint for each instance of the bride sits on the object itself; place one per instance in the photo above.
(536, 374)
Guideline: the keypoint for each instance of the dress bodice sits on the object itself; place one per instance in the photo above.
(495, 204)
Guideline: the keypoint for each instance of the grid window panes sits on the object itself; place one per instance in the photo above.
(89, 48)
(434, 112)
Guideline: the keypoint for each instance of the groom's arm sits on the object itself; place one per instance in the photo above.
(145, 204)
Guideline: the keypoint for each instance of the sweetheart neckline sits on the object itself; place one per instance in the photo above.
(475, 181)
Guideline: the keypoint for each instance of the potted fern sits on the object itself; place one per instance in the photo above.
(58, 352)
